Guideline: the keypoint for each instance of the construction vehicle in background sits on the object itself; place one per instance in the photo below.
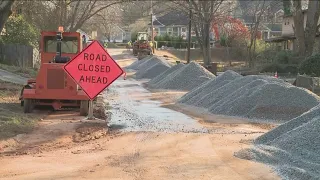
(52, 86)
(142, 46)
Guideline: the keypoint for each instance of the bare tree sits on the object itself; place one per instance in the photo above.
(203, 13)
(254, 10)
(305, 34)
(72, 14)
(5, 11)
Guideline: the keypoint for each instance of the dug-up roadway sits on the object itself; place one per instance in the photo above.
(148, 138)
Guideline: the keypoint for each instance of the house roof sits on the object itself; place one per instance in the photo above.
(248, 17)
(274, 27)
(171, 18)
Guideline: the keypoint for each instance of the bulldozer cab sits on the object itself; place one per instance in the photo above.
(59, 46)
(142, 36)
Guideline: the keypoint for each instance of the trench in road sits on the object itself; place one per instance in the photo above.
(140, 114)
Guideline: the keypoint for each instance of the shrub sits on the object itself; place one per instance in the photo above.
(311, 66)
(273, 68)
(19, 31)
(285, 57)
(280, 68)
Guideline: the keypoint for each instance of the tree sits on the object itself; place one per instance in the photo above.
(305, 34)
(5, 11)
(232, 30)
(71, 14)
(19, 31)
(203, 13)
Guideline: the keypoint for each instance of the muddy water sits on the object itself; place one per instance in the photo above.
(132, 110)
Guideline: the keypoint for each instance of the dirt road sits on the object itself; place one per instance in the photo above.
(144, 141)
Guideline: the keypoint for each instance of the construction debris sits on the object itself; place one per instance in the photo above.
(185, 78)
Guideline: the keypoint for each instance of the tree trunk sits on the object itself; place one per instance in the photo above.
(206, 44)
(311, 26)
(5, 12)
(298, 19)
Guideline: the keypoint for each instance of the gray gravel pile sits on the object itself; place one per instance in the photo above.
(215, 92)
(293, 148)
(263, 99)
(136, 64)
(150, 62)
(208, 86)
(185, 78)
(153, 71)
(163, 75)
(254, 97)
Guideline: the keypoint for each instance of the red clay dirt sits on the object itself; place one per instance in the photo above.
(63, 147)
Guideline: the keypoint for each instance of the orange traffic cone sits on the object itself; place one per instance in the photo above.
(276, 75)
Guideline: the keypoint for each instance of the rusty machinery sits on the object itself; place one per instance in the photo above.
(142, 45)
(52, 86)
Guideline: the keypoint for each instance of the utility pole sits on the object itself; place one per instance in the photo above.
(189, 33)
(152, 37)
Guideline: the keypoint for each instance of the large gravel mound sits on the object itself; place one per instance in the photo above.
(255, 97)
(153, 71)
(208, 86)
(165, 74)
(293, 148)
(186, 78)
(151, 62)
(136, 64)
(263, 99)
(215, 91)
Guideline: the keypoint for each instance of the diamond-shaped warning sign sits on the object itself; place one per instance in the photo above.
(93, 69)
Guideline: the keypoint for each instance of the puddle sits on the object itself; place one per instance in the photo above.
(135, 112)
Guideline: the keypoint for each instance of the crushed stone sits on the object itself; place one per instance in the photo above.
(254, 97)
(165, 74)
(152, 61)
(261, 99)
(153, 71)
(185, 78)
(136, 64)
(293, 148)
(215, 83)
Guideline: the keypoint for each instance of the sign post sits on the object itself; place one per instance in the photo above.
(90, 113)
(93, 69)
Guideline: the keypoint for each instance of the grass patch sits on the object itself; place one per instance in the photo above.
(24, 72)
(12, 119)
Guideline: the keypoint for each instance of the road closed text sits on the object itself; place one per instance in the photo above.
(94, 68)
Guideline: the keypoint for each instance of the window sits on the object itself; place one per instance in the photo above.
(286, 21)
(156, 31)
(169, 31)
(183, 31)
(68, 44)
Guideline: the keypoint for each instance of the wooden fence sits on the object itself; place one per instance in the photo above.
(17, 55)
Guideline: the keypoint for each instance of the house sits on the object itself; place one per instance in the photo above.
(119, 35)
(270, 20)
(287, 40)
(173, 24)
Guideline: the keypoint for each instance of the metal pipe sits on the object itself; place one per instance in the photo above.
(59, 38)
